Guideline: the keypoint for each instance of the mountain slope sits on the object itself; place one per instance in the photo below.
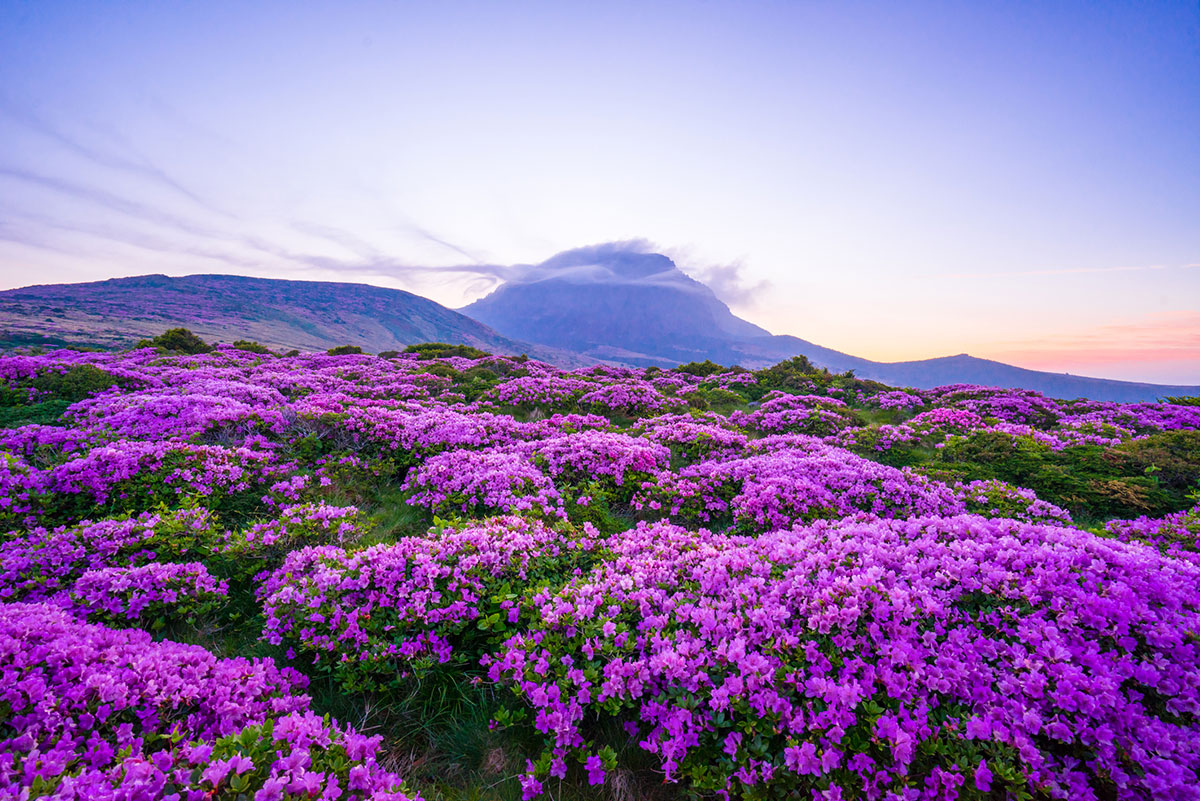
(612, 303)
(615, 303)
(308, 315)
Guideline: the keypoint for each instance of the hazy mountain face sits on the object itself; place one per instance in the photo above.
(610, 298)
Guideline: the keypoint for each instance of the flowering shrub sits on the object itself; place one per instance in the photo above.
(631, 398)
(394, 609)
(134, 475)
(1177, 534)
(998, 499)
(779, 413)
(694, 438)
(465, 482)
(548, 390)
(98, 713)
(591, 454)
(156, 591)
(39, 564)
(951, 654)
(774, 490)
(898, 399)
(835, 590)
(296, 526)
(20, 484)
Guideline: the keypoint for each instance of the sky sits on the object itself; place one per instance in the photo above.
(1017, 181)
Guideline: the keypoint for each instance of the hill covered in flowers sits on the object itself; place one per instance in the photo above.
(448, 574)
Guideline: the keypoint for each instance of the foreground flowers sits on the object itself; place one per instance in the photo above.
(867, 657)
(819, 587)
(95, 713)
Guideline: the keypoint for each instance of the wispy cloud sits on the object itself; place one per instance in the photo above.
(32, 234)
(727, 281)
(437, 240)
(223, 244)
(136, 165)
(730, 285)
(142, 211)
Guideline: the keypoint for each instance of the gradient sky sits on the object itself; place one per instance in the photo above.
(1019, 181)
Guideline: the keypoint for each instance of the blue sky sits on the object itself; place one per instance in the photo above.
(1015, 180)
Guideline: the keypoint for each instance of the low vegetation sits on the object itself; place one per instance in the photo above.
(445, 574)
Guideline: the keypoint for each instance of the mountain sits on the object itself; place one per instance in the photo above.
(612, 303)
(617, 303)
(308, 315)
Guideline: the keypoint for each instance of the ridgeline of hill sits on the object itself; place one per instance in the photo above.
(608, 303)
(307, 315)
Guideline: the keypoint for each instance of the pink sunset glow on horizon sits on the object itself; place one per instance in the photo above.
(1167, 344)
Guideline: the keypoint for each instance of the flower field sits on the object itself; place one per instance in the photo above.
(446, 574)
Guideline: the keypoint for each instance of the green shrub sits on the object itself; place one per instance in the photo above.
(177, 340)
(705, 368)
(1090, 481)
(252, 347)
(344, 350)
(442, 350)
(45, 413)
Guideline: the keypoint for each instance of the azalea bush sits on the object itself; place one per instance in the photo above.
(96, 713)
(150, 594)
(954, 656)
(379, 615)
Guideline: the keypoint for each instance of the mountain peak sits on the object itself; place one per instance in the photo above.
(618, 260)
(613, 297)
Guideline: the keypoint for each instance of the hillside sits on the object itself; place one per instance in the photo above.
(600, 304)
(307, 315)
(613, 303)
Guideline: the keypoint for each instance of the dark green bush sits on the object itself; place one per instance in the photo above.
(705, 368)
(42, 413)
(443, 350)
(791, 374)
(344, 350)
(252, 347)
(1090, 481)
(177, 340)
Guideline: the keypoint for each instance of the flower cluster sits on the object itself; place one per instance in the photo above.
(417, 601)
(459, 482)
(98, 713)
(40, 564)
(155, 590)
(773, 490)
(862, 658)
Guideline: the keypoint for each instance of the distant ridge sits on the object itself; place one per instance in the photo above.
(608, 303)
(615, 302)
(307, 315)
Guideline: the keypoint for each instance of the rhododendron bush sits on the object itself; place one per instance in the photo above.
(772, 584)
(867, 656)
(95, 713)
